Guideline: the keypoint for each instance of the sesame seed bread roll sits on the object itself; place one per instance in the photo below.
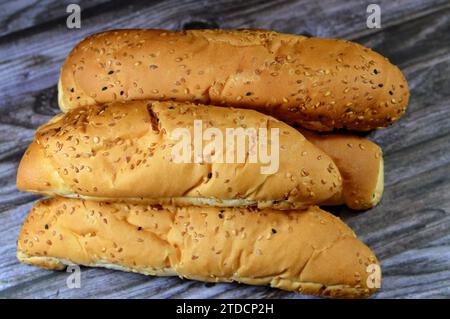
(320, 84)
(116, 151)
(310, 252)
(360, 162)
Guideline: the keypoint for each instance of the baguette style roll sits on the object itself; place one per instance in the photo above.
(310, 252)
(116, 151)
(320, 84)
(360, 163)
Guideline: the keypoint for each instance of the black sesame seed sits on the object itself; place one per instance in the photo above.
(78, 97)
(274, 231)
(111, 72)
(391, 93)
(46, 226)
(248, 93)
(139, 228)
(104, 88)
(72, 90)
(375, 71)
(209, 175)
(380, 85)
(121, 92)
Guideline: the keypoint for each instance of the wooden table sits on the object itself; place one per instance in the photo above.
(409, 231)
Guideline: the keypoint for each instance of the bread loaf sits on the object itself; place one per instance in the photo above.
(116, 151)
(360, 163)
(321, 84)
(310, 252)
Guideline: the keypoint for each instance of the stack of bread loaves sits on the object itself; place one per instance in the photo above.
(121, 199)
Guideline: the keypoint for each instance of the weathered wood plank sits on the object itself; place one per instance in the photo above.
(409, 230)
(20, 15)
(281, 15)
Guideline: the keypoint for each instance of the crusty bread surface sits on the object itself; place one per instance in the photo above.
(360, 162)
(310, 252)
(113, 152)
(320, 84)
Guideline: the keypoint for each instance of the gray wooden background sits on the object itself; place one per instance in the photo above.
(409, 231)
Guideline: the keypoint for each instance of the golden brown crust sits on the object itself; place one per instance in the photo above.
(117, 152)
(321, 84)
(310, 252)
(360, 163)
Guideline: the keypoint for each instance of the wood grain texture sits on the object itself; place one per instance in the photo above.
(410, 229)
(19, 15)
